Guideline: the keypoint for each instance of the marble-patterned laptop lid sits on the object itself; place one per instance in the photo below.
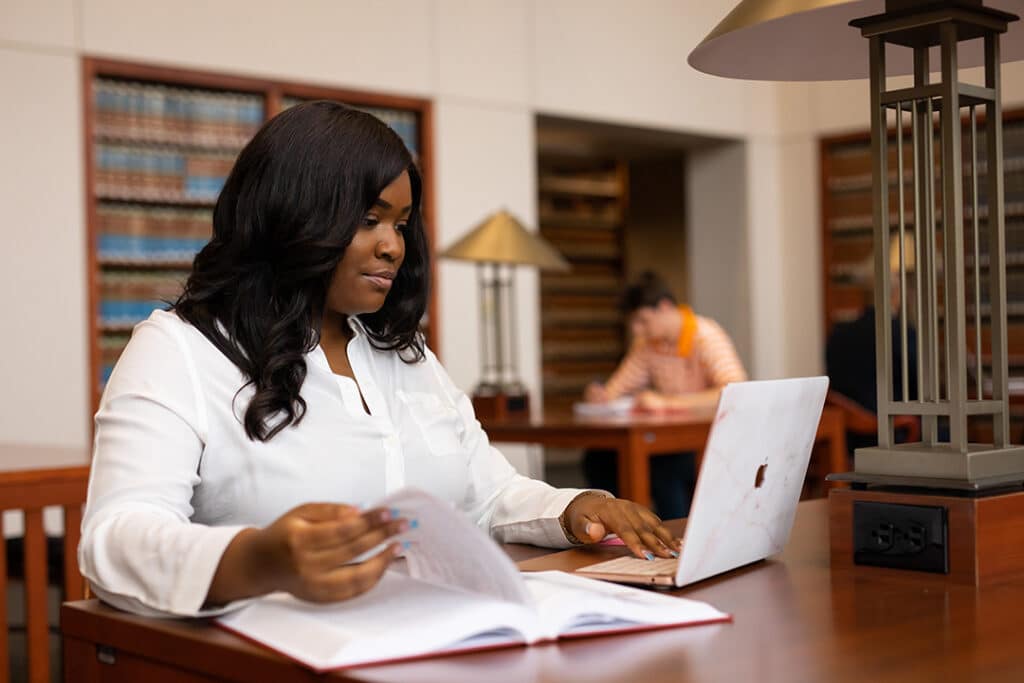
(751, 476)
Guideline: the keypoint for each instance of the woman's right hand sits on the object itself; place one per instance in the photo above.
(306, 552)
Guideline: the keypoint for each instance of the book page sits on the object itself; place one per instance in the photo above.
(401, 617)
(575, 605)
(449, 550)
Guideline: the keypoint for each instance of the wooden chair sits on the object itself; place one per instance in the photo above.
(860, 420)
(31, 491)
(857, 420)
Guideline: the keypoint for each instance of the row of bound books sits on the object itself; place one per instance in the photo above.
(126, 110)
(132, 233)
(405, 123)
(128, 296)
(137, 219)
(111, 346)
(153, 174)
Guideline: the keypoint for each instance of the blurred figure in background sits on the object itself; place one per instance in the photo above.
(678, 361)
(850, 349)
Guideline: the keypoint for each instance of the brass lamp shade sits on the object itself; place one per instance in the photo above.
(811, 40)
(503, 239)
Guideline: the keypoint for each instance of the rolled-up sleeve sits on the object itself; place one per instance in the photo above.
(139, 550)
(511, 507)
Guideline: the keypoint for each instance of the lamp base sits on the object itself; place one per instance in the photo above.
(501, 405)
(886, 533)
(981, 463)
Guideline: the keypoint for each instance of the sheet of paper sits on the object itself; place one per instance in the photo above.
(446, 548)
(620, 406)
(576, 604)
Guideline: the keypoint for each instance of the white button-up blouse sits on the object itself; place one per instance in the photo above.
(174, 477)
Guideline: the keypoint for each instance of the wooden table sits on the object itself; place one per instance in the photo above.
(638, 437)
(795, 620)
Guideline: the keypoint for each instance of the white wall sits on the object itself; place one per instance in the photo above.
(44, 354)
(489, 65)
(716, 229)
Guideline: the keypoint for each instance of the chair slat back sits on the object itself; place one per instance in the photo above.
(30, 491)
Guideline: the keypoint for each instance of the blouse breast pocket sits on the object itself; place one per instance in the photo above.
(435, 423)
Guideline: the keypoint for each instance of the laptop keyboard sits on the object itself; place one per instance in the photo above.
(635, 566)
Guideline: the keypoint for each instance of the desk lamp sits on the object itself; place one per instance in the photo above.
(497, 246)
(955, 157)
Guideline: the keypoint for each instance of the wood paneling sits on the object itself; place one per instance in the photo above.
(985, 536)
(583, 205)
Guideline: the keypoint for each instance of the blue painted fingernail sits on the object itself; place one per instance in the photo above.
(649, 555)
(395, 512)
(406, 545)
(673, 553)
(414, 524)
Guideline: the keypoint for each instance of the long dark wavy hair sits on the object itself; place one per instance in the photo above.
(288, 210)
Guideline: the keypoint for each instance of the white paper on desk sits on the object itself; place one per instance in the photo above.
(447, 549)
(613, 408)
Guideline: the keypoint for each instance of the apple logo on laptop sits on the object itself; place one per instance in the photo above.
(759, 477)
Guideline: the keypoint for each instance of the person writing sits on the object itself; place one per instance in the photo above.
(678, 361)
(243, 431)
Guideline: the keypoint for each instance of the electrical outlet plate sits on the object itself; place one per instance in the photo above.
(901, 536)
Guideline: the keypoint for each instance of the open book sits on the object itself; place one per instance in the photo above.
(461, 593)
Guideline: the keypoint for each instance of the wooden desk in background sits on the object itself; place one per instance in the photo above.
(638, 437)
(795, 620)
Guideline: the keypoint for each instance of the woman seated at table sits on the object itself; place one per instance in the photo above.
(242, 430)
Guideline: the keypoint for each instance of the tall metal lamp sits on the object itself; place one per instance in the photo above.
(497, 246)
(937, 202)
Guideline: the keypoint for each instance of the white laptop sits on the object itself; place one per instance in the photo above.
(750, 480)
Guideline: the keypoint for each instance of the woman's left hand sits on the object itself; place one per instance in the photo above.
(592, 517)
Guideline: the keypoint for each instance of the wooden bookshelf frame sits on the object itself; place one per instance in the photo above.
(615, 191)
(273, 92)
(825, 145)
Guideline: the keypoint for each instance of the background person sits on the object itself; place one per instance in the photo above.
(678, 361)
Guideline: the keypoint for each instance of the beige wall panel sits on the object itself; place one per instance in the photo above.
(486, 162)
(717, 242)
(626, 62)
(42, 23)
(380, 46)
(43, 357)
(803, 340)
(483, 49)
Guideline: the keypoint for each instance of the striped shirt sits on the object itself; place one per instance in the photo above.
(710, 361)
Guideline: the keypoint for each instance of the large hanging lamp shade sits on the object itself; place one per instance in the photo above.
(811, 40)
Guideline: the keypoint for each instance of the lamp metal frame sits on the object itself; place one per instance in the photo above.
(944, 397)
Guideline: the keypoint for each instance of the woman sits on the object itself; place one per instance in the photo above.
(290, 370)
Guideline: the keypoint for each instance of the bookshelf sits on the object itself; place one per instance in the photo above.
(582, 211)
(846, 209)
(159, 144)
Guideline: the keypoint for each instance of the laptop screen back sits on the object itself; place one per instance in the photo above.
(751, 476)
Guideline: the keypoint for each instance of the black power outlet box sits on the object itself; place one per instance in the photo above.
(901, 536)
